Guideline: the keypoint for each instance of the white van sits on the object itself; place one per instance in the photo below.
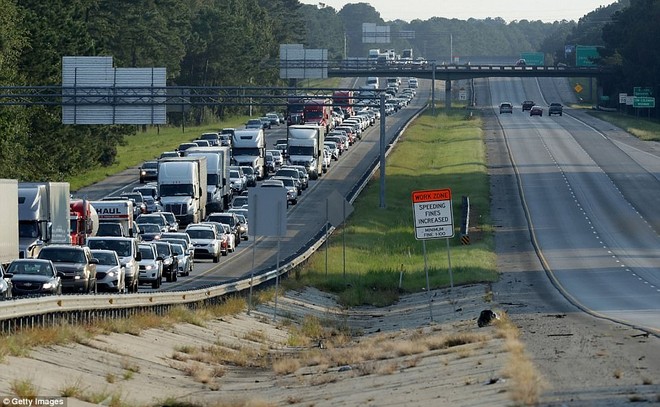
(372, 81)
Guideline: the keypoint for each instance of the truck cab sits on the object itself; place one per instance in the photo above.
(249, 149)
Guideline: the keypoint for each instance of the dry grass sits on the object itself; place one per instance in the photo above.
(72, 389)
(24, 388)
(526, 384)
(286, 365)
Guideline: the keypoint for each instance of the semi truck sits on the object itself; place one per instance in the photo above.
(182, 188)
(249, 149)
(319, 112)
(305, 147)
(84, 221)
(218, 160)
(345, 100)
(9, 221)
(119, 211)
(43, 216)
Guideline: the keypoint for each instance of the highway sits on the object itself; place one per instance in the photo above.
(305, 220)
(590, 201)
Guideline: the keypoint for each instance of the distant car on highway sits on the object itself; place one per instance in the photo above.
(148, 171)
(527, 105)
(506, 107)
(536, 111)
(555, 108)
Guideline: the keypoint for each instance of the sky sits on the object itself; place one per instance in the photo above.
(509, 10)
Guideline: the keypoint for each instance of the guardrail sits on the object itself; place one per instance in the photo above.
(23, 313)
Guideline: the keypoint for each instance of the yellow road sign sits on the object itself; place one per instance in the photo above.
(578, 88)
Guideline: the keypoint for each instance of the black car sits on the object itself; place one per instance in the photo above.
(555, 108)
(148, 171)
(150, 231)
(170, 261)
(34, 277)
(527, 105)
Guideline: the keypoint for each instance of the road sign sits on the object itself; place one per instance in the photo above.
(586, 55)
(432, 211)
(640, 91)
(578, 88)
(644, 101)
(533, 58)
(622, 98)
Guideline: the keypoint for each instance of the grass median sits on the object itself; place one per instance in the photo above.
(383, 259)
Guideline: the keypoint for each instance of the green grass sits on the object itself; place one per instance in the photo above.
(643, 129)
(445, 151)
(148, 145)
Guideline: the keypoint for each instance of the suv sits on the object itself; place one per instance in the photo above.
(506, 107)
(527, 105)
(76, 264)
(206, 241)
(148, 171)
(555, 108)
(228, 218)
(129, 255)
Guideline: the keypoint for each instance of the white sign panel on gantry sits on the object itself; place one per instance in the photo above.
(432, 212)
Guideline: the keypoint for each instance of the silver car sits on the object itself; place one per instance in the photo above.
(151, 266)
(110, 275)
(184, 261)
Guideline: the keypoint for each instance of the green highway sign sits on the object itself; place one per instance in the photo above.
(586, 55)
(533, 58)
(639, 91)
(644, 101)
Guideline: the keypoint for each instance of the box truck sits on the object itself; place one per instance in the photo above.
(218, 159)
(182, 188)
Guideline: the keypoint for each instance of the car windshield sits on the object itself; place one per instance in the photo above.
(63, 255)
(177, 249)
(147, 253)
(149, 228)
(176, 190)
(234, 174)
(154, 219)
(163, 249)
(169, 216)
(153, 165)
(122, 247)
(109, 229)
(200, 233)
(30, 268)
(106, 258)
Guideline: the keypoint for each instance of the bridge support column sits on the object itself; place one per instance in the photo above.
(448, 94)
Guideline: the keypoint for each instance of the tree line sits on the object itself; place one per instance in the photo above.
(236, 42)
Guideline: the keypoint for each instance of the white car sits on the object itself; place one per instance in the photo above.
(110, 275)
(277, 157)
(236, 181)
(327, 159)
(231, 238)
(206, 241)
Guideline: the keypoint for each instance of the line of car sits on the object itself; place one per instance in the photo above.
(533, 108)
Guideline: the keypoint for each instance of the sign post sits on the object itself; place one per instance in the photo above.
(434, 219)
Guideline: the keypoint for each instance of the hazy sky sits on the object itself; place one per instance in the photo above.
(545, 10)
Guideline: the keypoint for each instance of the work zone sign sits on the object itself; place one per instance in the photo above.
(432, 211)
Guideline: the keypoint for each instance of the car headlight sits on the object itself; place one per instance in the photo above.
(149, 267)
(167, 261)
(48, 286)
(111, 274)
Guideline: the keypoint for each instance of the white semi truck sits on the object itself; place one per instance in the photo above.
(43, 216)
(249, 149)
(9, 221)
(182, 187)
(305, 147)
(218, 186)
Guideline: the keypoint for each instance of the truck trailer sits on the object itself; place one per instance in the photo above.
(305, 147)
(116, 211)
(182, 188)
(43, 216)
(9, 221)
(218, 160)
(249, 149)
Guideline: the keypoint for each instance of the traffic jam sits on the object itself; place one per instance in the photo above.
(187, 206)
